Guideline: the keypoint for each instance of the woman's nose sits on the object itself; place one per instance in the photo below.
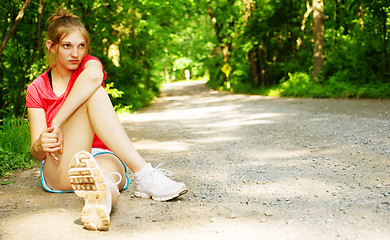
(75, 52)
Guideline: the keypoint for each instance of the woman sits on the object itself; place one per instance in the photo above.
(76, 133)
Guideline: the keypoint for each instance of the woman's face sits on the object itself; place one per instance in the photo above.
(71, 51)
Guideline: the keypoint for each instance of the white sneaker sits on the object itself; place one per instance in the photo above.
(153, 183)
(88, 182)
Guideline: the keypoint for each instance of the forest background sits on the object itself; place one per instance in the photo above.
(295, 48)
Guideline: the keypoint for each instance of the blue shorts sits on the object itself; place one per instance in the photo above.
(94, 152)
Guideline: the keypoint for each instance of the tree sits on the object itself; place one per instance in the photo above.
(8, 33)
(318, 53)
(380, 15)
(141, 43)
(37, 44)
(18, 19)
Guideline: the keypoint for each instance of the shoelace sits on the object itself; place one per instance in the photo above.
(111, 183)
(162, 170)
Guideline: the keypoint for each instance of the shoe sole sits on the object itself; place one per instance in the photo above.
(143, 195)
(87, 182)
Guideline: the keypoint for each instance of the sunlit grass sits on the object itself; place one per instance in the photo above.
(14, 146)
(302, 85)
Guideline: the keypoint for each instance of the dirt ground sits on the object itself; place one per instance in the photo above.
(256, 167)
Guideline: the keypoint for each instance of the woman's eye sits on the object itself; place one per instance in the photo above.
(82, 45)
(66, 45)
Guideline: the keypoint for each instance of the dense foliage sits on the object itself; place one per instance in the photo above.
(271, 47)
(144, 43)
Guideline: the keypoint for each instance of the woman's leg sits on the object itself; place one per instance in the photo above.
(78, 135)
(108, 128)
(97, 113)
(98, 116)
(150, 182)
(96, 180)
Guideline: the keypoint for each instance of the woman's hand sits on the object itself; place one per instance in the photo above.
(50, 141)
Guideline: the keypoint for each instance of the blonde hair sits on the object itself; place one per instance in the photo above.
(61, 23)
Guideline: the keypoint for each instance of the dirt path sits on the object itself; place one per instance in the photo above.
(257, 168)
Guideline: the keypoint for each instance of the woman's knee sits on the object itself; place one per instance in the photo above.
(98, 97)
(109, 164)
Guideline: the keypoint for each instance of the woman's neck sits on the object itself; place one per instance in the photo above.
(61, 75)
(60, 80)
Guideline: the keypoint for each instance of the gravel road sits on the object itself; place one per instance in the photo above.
(256, 167)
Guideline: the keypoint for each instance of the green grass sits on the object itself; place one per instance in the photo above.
(14, 146)
(302, 85)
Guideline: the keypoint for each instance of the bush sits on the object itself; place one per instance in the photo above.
(14, 146)
(297, 85)
(302, 85)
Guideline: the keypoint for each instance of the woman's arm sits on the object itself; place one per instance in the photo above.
(85, 85)
(43, 140)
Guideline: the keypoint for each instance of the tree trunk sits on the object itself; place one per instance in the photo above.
(360, 16)
(306, 15)
(249, 5)
(386, 56)
(254, 65)
(336, 20)
(7, 37)
(37, 43)
(14, 26)
(318, 54)
(264, 72)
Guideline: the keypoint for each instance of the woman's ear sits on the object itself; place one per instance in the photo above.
(50, 47)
